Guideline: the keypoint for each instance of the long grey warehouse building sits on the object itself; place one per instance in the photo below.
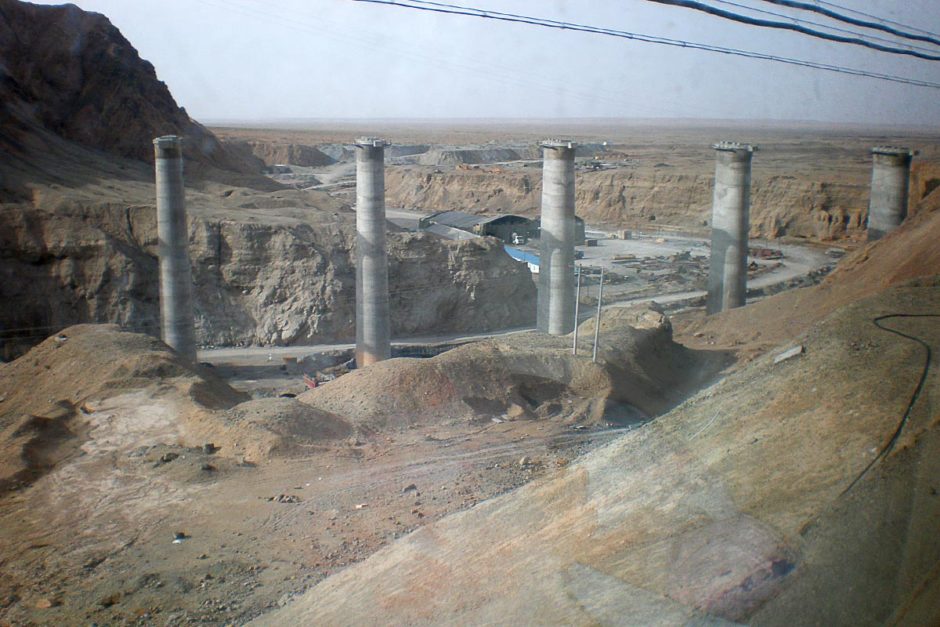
(501, 227)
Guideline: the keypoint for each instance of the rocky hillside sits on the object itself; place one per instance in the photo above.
(909, 253)
(925, 180)
(78, 111)
(810, 182)
(71, 74)
(818, 208)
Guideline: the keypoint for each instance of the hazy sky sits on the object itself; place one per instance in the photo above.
(275, 59)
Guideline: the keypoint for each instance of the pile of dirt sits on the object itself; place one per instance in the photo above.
(87, 361)
(279, 427)
(774, 496)
(71, 388)
(640, 373)
(47, 394)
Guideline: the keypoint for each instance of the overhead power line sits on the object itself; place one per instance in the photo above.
(837, 29)
(493, 71)
(876, 25)
(883, 20)
(754, 21)
(451, 9)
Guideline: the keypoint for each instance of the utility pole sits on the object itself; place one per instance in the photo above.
(577, 303)
(597, 321)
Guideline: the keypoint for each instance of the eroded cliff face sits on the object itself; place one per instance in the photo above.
(259, 278)
(443, 286)
(780, 205)
(272, 153)
(925, 179)
(295, 283)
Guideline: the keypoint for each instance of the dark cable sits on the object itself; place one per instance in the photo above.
(804, 6)
(928, 357)
(826, 26)
(753, 21)
(532, 21)
(883, 20)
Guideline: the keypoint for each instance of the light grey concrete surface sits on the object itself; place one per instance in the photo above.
(176, 283)
(890, 184)
(372, 314)
(727, 279)
(556, 268)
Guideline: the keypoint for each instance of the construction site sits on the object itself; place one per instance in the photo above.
(411, 372)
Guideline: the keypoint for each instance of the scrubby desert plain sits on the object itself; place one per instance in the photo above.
(687, 477)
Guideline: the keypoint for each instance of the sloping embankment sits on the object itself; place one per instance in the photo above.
(738, 505)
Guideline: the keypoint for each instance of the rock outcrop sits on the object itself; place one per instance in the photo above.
(72, 73)
(272, 153)
(258, 280)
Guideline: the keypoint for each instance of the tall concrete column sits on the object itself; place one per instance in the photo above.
(176, 281)
(890, 183)
(372, 317)
(731, 204)
(555, 314)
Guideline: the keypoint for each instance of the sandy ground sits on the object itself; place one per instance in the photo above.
(95, 538)
(143, 509)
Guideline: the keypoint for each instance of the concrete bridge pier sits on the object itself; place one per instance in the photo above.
(176, 282)
(556, 297)
(373, 333)
(890, 184)
(727, 277)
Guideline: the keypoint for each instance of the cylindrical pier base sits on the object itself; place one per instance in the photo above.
(890, 183)
(556, 297)
(373, 332)
(176, 283)
(727, 278)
